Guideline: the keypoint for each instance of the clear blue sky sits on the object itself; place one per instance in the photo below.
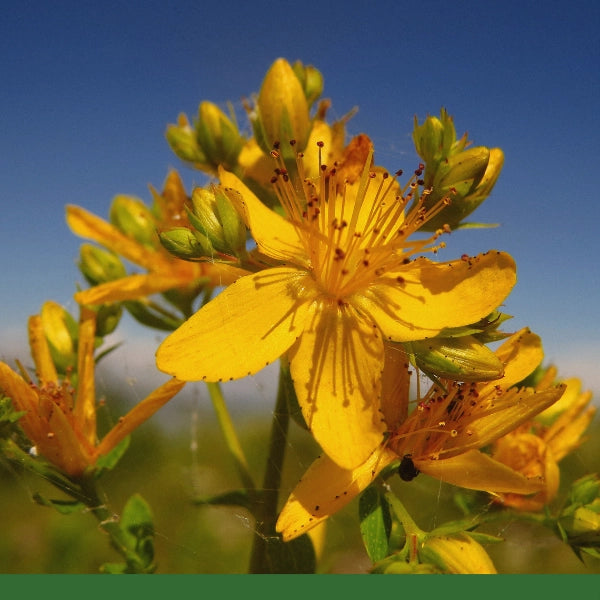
(88, 88)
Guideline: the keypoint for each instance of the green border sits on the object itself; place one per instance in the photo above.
(290, 587)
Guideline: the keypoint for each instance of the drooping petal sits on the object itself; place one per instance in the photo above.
(84, 411)
(131, 287)
(477, 471)
(275, 236)
(326, 488)
(395, 386)
(88, 225)
(510, 411)
(247, 326)
(336, 367)
(429, 296)
(138, 414)
(520, 354)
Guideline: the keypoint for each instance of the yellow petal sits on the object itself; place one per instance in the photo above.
(275, 236)
(506, 413)
(326, 488)
(131, 287)
(395, 386)
(247, 326)
(84, 411)
(477, 471)
(40, 351)
(336, 368)
(138, 414)
(521, 354)
(433, 296)
(88, 225)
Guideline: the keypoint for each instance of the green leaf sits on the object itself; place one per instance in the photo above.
(233, 498)
(137, 524)
(375, 523)
(110, 460)
(114, 568)
(297, 556)
(64, 507)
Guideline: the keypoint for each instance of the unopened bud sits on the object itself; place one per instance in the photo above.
(282, 109)
(218, 137)
(99, 265)
(133, 218)
(186, 244)
(61, 331)
(311, 80)
(183, 142)
(460, 359)
(214, 216)
(458, 554)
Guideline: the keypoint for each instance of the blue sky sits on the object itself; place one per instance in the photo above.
(89, 87)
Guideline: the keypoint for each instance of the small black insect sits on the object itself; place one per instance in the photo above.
(407, 469)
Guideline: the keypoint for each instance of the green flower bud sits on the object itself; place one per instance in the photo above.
(215, 217)
(133, 218)
(218, 137)
(311, 80)
(462, 172)
(282, 110)
(99, 265)
(107, 318)
(61, 331)
(183, 142)
(186, 244)
(460, 359)
(585, 490)
(435, 140)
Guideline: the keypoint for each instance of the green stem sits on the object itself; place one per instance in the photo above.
(266, 509)
(231, 439)
(109, 524)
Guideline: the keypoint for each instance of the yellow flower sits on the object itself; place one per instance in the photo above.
(60, 421)
(164, 271)
(441, 438)
(344, 282)
(536, 448)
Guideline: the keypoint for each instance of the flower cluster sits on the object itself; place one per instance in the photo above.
(326, 260)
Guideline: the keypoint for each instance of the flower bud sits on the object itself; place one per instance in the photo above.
(215, 217)
(133, 218)
(61, 331)
(99, 265)
(435, 140)
(460, 359)
(458, 554)
(281, 110)
(107, 318)
(218, 137)
(186, 244)
(311, 80)
(183, 142)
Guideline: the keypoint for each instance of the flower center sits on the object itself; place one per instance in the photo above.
(355, 232)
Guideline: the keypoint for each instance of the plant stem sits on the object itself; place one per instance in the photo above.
(231, 439)
(266, 508)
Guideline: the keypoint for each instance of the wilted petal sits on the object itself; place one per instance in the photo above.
(247, 326)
